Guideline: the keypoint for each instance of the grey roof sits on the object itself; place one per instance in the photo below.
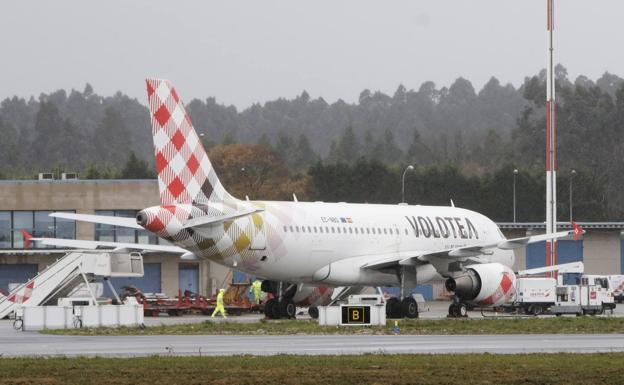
(561, 225)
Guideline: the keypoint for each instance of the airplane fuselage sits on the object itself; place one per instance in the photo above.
(306, 242)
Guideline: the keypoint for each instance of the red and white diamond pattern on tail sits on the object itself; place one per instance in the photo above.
(185, 174)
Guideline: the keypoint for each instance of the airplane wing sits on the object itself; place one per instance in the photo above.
(103, 219)
(82, 244)
(473, 251)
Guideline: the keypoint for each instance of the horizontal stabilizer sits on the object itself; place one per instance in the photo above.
(102, 219)
(82, 244)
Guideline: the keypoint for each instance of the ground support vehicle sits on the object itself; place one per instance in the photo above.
(616, 283)
(534, 295)
(582, 299)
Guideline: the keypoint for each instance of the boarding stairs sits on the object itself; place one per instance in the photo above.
(67, 273)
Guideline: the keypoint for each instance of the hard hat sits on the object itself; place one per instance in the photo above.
(221, 290)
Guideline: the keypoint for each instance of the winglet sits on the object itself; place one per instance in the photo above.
(578, 231)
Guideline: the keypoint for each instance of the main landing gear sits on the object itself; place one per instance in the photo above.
(282, 304)
(407, 307)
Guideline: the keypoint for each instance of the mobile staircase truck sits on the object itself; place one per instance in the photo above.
(61, 278)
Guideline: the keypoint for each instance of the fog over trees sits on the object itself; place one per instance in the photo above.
(460, 139)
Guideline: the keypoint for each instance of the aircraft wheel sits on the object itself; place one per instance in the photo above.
(453, 311)
(269, 309)
(313, 312)
(287, 308)
(393, 308)
(462, 310)
(409, 307)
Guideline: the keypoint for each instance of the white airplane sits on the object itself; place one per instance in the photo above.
(302, 247)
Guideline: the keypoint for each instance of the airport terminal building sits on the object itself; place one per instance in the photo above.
(26, 205)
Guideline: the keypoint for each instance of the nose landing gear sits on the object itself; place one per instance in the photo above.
(458, 310)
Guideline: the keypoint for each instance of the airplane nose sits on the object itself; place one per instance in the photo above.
(141, 218)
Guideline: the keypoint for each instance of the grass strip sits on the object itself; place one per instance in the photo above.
(562, 325)
(365, 369)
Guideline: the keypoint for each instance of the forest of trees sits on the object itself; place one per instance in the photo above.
(464, 144)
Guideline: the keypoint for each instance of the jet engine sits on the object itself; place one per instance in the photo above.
(488, 284)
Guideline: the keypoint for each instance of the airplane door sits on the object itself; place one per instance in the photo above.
(258, 232)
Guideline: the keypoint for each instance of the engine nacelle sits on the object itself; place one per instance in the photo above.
(488, 284)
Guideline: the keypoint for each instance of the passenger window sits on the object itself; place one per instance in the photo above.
(303, 229)
(291, 229)
(321, 229)
(327, 229)
(333, 230)
(406, 232)
(373, 230)
(309, 229)
(385, 231)
(379, 231)
(367, 230)
(314, 229)
(356, 231)
(285, 229)
(350, 230)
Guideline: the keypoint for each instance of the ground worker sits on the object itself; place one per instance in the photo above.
(256, 287)
(219, 307)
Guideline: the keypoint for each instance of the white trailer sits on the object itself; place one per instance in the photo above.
(534, 295)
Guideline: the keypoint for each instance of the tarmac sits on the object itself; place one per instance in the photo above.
(28, 344)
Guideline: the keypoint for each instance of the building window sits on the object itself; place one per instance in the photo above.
(37, 223)
(5, 229)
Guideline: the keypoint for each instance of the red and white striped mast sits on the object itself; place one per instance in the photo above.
(551, 154)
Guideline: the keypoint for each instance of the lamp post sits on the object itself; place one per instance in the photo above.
(515, 175)
(572, 173)
(410, 167)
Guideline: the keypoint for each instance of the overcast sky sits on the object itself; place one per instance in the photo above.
(250, 51)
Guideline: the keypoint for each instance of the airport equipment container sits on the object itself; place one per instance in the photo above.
(534, 295)
(68, 317)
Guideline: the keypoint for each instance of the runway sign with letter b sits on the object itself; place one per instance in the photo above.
(355, 315)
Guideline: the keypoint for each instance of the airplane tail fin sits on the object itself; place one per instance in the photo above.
(185, 174)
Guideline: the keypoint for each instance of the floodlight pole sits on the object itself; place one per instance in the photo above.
(551, 158)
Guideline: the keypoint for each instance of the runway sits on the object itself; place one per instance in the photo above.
(18, 344)
(21, 344)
